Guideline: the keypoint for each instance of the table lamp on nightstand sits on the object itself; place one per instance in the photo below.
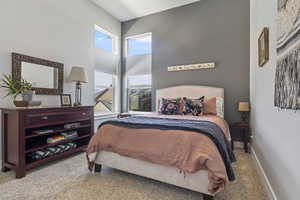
(79, 76)
(244, 108)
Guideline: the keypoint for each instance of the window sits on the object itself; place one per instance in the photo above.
(139, 92)
(104, 40)
(138, 73)
(106, 72)
(104, 92)
(139, 45)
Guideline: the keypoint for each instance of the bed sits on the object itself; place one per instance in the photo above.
(198, 181)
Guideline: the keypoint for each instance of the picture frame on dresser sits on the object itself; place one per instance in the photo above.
(65, 100)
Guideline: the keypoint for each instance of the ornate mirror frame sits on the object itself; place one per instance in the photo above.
(17, 60)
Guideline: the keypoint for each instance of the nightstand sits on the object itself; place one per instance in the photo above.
(241, 132)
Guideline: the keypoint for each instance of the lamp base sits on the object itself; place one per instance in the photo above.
(245, 117)
(77, 94)
(76, 104)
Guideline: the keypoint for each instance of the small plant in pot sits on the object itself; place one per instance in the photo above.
(27, 92)
(15, 92)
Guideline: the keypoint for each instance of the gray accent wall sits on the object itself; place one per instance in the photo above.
(206, 31)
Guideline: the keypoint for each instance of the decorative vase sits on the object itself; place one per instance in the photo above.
(19, 102)
(27, 95)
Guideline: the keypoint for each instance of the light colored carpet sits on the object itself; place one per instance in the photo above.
(70, 179)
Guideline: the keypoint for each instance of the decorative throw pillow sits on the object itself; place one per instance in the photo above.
(210, 106)
(171, 106)
(193, 106)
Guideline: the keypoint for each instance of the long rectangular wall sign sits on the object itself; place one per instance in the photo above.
(191, 67)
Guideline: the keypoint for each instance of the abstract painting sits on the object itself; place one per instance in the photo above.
(287, 78)
(288, 25)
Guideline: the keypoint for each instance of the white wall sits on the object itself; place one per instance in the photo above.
(58, 30)
(276, 132)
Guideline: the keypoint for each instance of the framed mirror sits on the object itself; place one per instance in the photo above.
(46, 76)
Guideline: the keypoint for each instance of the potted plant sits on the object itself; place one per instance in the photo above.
(7, 83)
(26, 89)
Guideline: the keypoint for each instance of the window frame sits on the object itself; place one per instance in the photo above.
(134, 37)
(113, 37)
(116, 77)
(127, 88)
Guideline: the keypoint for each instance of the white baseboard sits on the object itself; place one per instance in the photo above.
(270, 192)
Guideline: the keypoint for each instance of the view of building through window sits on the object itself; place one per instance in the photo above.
(139, 92)
(104, 92)
(139, 76)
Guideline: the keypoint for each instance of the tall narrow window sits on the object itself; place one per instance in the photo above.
(138, 73)
(106, 76)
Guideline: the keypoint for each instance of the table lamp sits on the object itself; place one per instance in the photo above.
(79, 76)
(244, 108)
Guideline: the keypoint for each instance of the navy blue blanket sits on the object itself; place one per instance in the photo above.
(211, 130)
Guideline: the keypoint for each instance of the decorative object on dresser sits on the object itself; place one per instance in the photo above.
(72, 125)
(65, 100)
(22, 95)
(26, 131)
(263, 47)
(31, 68)
(79, 76)
(241, 131)
(244, 108)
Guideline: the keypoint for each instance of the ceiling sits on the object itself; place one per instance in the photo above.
(125, 10)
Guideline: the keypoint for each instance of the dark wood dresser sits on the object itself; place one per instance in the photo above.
(26, 132)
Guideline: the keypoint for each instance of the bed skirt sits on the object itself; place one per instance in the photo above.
(196, 182)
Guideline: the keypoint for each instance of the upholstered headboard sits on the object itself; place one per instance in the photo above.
(191, 91)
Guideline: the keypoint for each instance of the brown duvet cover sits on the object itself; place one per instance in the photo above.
(185, 150)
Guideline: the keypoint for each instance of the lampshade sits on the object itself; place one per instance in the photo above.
(78, 74)
(244, 107)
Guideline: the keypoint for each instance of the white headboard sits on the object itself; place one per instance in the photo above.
(191, 91)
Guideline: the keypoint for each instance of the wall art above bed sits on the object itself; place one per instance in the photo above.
(287, 80)
(191, 67)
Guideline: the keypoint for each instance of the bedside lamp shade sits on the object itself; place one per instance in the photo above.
(78, 74)
(244, 107)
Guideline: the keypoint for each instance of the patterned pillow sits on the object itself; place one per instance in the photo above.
(193, 106)
(171, 106)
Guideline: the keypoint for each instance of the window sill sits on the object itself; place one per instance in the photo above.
(140, 113)
(100, 116)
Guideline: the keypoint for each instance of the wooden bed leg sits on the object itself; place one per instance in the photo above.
(98, 168)
(207, 197)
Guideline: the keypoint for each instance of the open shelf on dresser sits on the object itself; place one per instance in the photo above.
(28, 135)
